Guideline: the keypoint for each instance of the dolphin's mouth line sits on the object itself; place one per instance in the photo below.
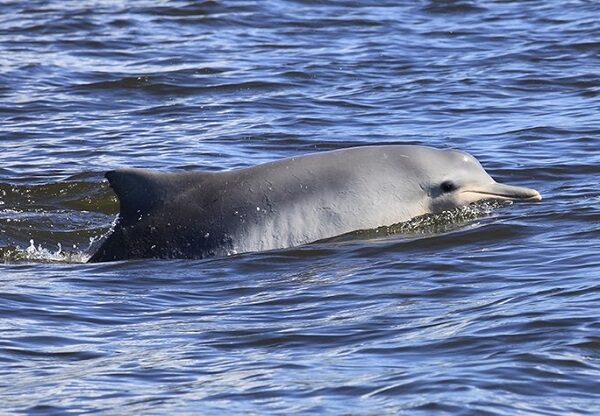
(535, 196)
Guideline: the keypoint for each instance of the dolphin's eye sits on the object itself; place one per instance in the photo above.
(447, 186)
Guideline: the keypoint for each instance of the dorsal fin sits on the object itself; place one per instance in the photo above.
(138, 190)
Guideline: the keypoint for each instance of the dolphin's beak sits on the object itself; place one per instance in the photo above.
(500, 191)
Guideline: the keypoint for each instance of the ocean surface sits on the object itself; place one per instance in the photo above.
(490, 311)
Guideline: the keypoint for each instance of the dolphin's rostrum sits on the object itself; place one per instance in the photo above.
(292, 201)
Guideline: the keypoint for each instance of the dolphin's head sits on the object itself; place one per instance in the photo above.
(455, 178)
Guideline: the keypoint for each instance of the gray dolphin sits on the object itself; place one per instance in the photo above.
(292, 201)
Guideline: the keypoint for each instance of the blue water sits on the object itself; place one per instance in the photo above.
(486, 314)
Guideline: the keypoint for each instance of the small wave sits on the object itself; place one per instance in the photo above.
(202, 9)
(156, 85)
(77, 195)
(451, 6)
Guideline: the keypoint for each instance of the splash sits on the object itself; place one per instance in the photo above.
(431, 223)
(447, 220)
(60, 220)
(39, 254)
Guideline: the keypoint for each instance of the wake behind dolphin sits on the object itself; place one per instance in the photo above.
(292, 201)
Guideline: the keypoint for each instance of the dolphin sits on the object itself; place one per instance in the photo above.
(290, 202)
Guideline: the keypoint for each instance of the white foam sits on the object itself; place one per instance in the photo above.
(40, 254)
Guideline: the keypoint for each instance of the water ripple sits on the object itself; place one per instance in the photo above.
(485, 311)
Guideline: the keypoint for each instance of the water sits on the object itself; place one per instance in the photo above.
(493, 313)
